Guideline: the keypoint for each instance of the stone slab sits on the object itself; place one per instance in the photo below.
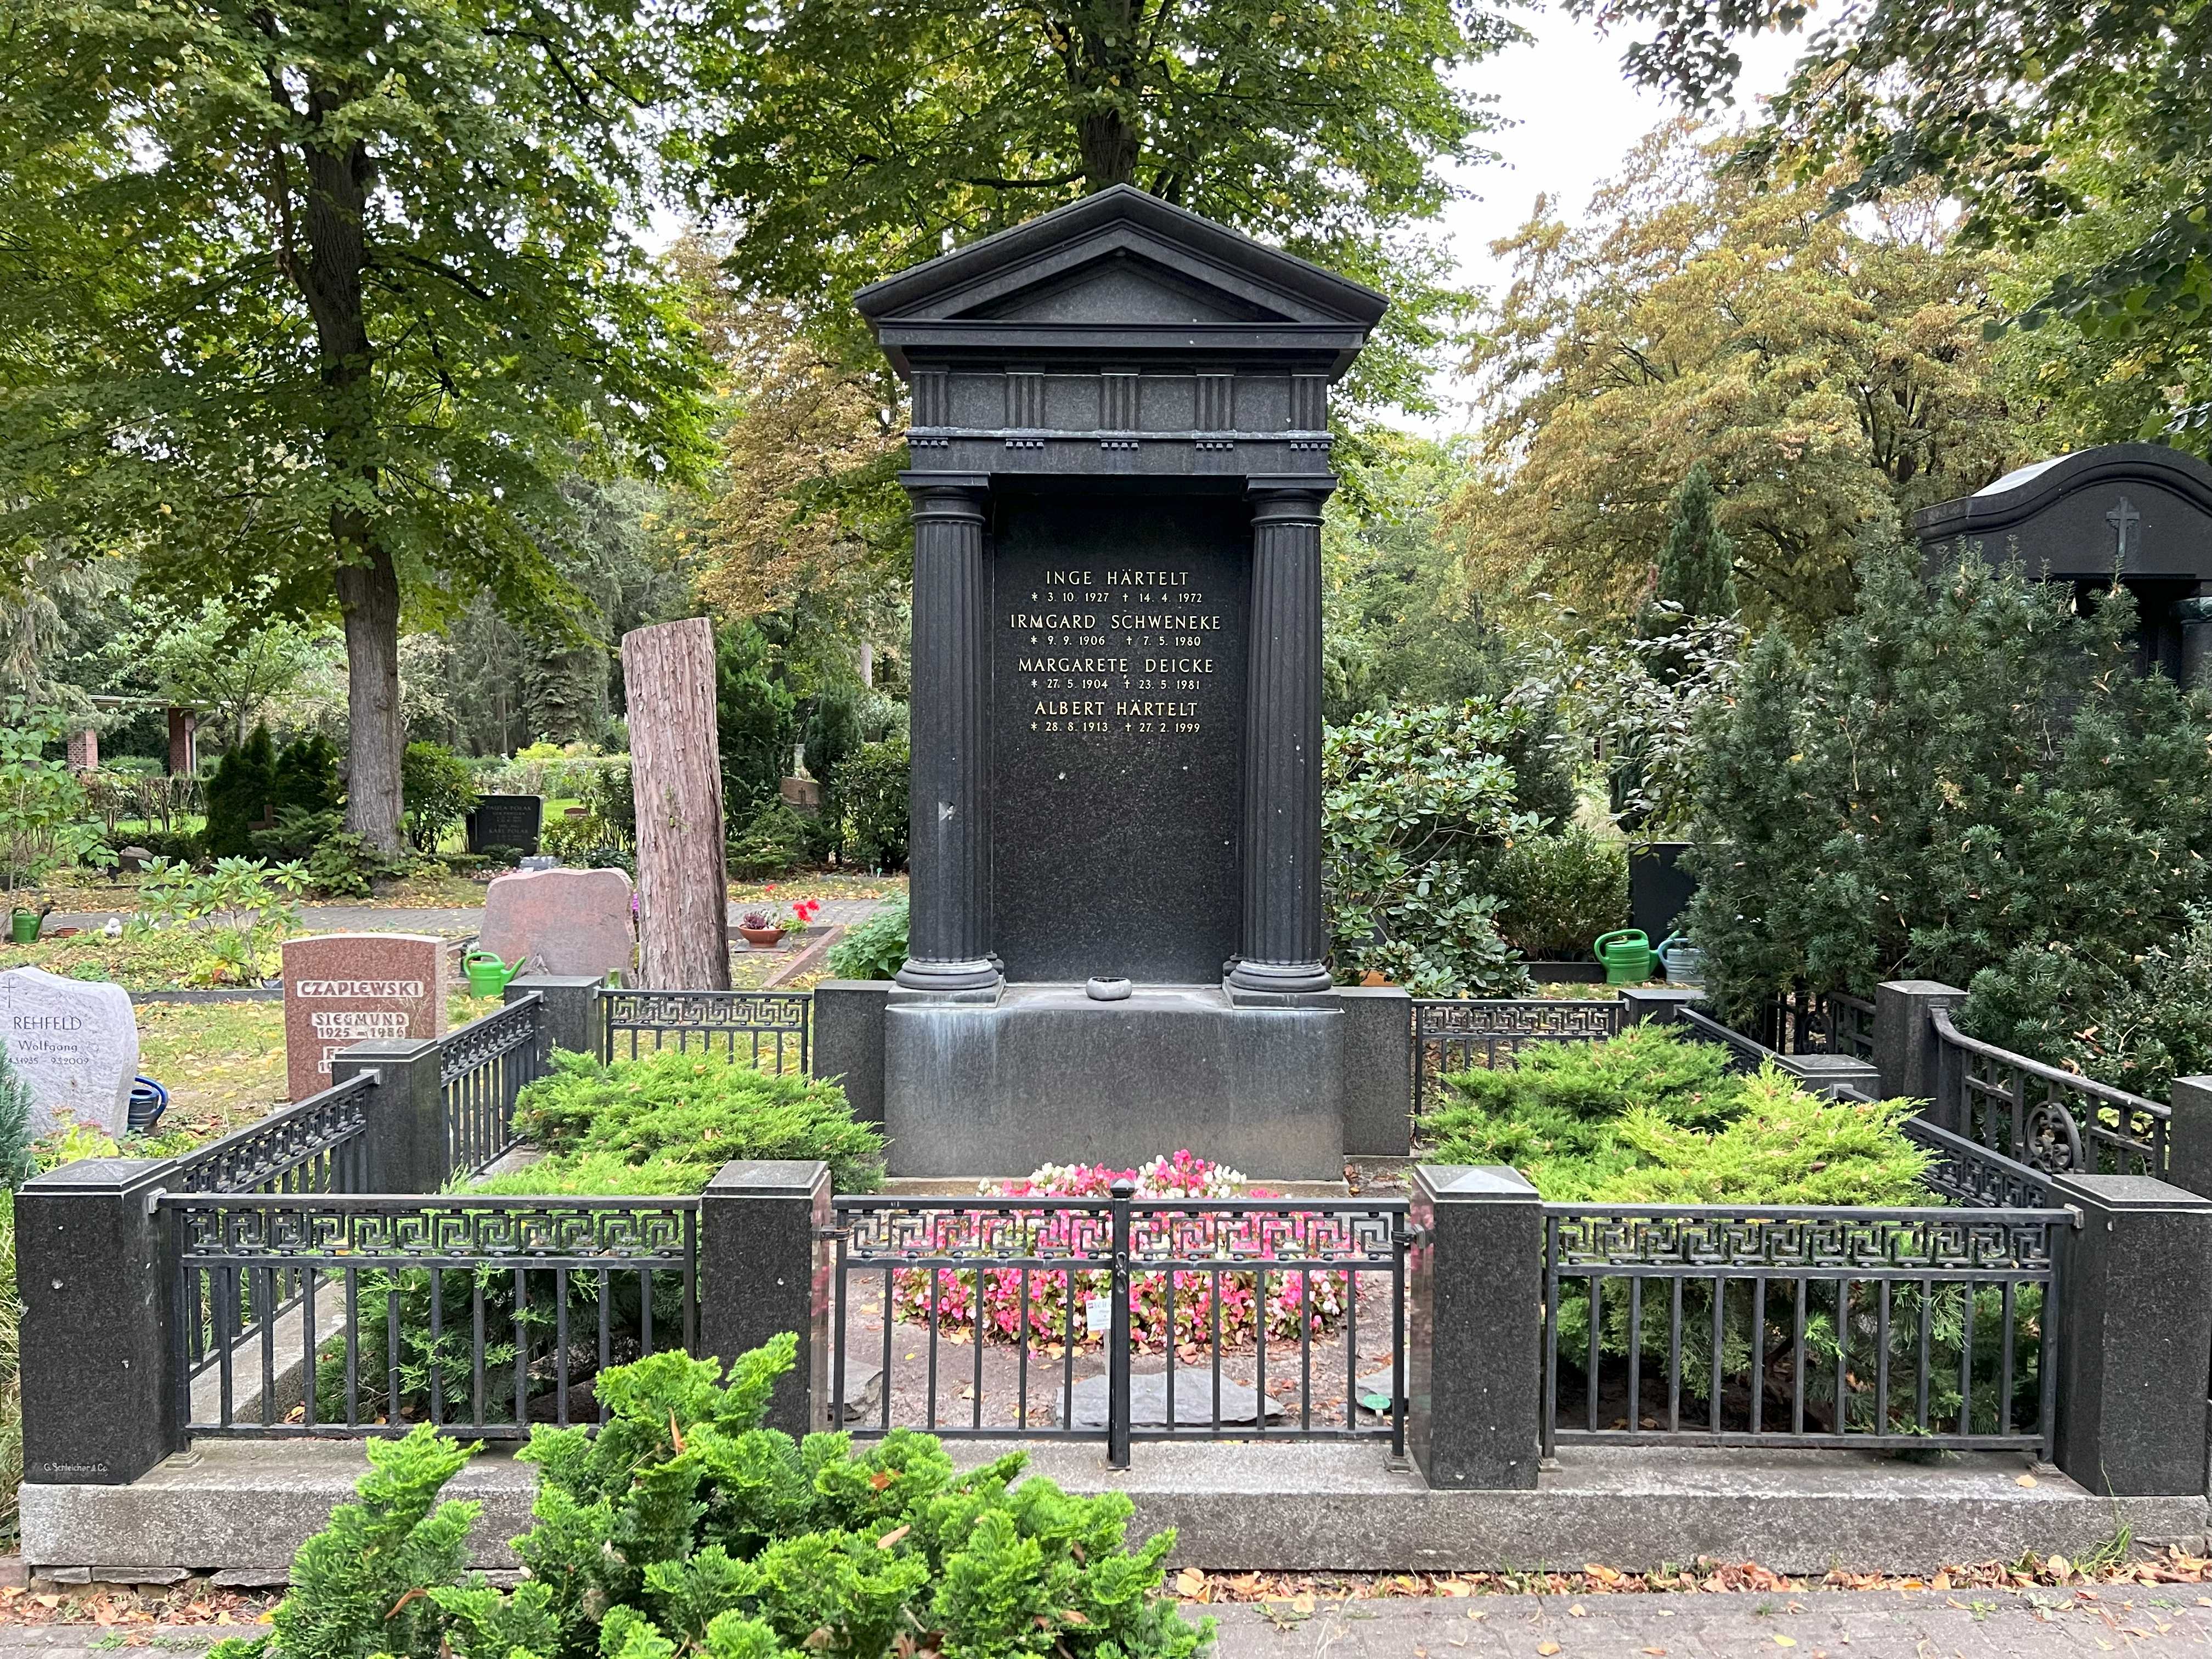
(562, 921)
(1148, 1401)
(1240, 1506)
(345, 988)
(1045, 1074)
(75, 1043)
(1117, 734)
(514, 821)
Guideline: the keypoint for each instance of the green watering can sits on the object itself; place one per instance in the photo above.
(487, 974)
(1626, 954)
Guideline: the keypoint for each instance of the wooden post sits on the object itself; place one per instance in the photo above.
(675, 769)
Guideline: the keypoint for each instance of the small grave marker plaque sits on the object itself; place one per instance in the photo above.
(345, 988)
(506, 821)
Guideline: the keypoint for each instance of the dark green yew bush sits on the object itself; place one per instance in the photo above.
(685, 1526)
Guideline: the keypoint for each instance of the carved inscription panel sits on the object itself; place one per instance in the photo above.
(1118, 694)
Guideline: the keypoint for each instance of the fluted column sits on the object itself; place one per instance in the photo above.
(948, 931)
(1281, 945)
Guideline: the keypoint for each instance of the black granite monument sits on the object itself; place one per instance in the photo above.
(2142, 511)
(1120, 452)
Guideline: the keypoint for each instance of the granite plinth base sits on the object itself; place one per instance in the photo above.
(1044, 1074)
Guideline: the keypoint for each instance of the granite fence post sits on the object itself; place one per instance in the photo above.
(2134, 1336)
(406, 1145)
(1378, 1070)
(1661, 1003)
(763, 1270)
(1474, 1352)
(848, 1041)
(1906, 1050)
(571, 1016)
(2189, 1135)
(100, 1373)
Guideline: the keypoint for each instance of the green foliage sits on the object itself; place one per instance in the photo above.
(45, 822)
(870, 789)
(678, 1116)
(1961, 772)
(1696, 566)
(1416, 804)
(334, 862)
(11, 1374)
(876, 949)
(753, 720)
(779, 839)
(833, 730)
(1649, 1117)
(684, 1526)
(306, 776)
(17, 1164)
(2139, 1028)
(240, 907)
(365, 1584)
(1556, 892)
(610, 798)
(438, 789)
(240, 795)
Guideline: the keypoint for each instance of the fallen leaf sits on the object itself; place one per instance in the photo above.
(2024, 1480)
(1302, 1602)
(893, 1536)
(1547, 1647)
(1189, 1582)
(1785, 1641)
(1578, 1611)
(1656, 1653)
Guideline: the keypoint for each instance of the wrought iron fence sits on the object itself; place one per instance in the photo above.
(2038, 1116)
(352, 1317)
(1458, 1034)
(1715, 1326)
(1807, 1021)
(482, 1065)
(771, 1028)
(1967, 1173)
(317, 1145)
(992, 1317)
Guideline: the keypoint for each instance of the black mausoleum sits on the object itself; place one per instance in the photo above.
(1120, 454)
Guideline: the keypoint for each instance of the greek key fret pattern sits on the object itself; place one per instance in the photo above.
(399, 1232)
(1531, 1019)
(706, 1011)
(892, 1232)
(484, 1041)
(310, 1147)
(1180, 1237)
(1806, 1242)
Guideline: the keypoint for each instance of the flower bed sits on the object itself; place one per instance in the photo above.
(1199, 1295)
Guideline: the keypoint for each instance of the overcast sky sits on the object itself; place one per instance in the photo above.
(1574, 117)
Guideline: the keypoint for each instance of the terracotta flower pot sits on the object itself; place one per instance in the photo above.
(763, 938)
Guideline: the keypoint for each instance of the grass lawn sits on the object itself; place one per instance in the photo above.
(816, 884)
(223, 1062)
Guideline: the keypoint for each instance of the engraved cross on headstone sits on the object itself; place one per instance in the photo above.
(2123, 519)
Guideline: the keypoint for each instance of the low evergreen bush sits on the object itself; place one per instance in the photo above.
(871, 792)
(665, 1122)
(683, 1525)
(1557, 892)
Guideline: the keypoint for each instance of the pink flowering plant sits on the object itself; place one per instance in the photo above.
(1285, 1299)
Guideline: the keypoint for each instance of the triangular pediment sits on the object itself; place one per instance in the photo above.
(1120, 258)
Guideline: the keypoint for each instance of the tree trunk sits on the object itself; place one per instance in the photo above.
(368, 601)
(676, 771)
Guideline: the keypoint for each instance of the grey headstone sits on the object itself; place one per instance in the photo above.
(75, 1043)
(1148, 1401)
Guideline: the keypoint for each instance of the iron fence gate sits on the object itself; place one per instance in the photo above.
(1119, 1319)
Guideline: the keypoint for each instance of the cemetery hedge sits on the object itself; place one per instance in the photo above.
(1965, 780)
(685, 1526)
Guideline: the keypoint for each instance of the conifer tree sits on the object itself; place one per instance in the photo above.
(1696, 566)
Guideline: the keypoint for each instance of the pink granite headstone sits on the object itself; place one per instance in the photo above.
(561, 921)
(345, 988)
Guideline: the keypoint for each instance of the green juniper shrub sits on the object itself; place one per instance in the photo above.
(1416, 806)
(777, 842)
(876, 949)
(677, 1116)
(241, 791)
(683, 1525)
(833, 730)
(610, 798)
(752, 719)
(1963, 781)
(1558, 891)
